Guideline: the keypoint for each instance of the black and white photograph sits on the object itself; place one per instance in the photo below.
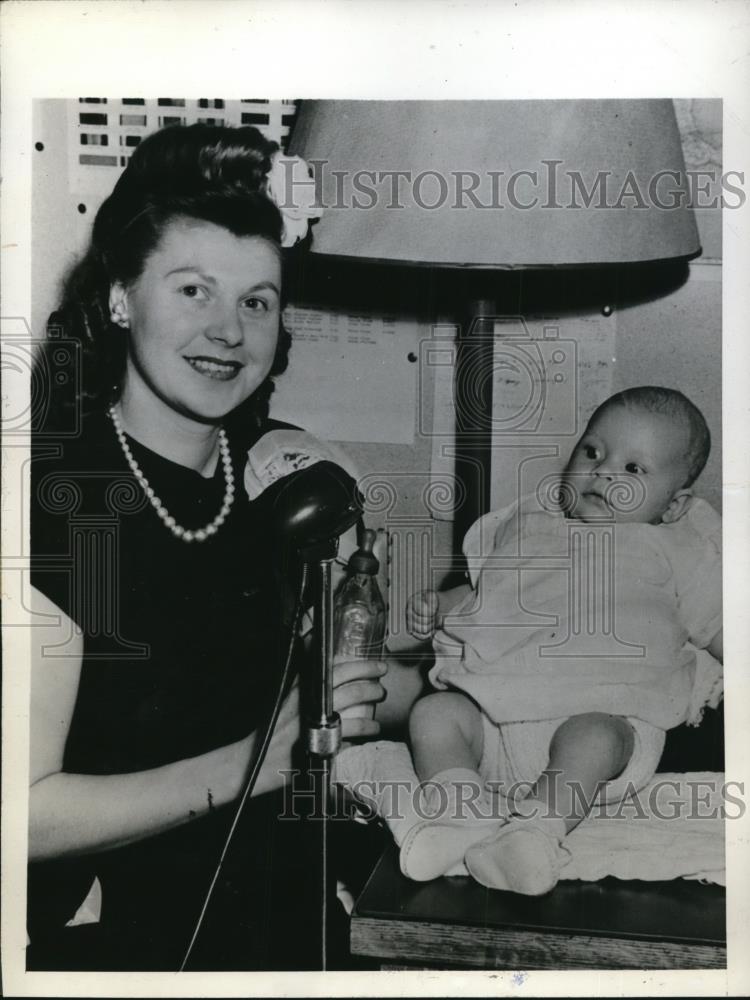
(370, 454)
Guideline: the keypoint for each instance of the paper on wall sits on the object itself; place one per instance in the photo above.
(350, 376)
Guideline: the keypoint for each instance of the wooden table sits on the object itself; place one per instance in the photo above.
(455, 923)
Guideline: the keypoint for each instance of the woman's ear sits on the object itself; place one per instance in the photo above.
(118, 305)
(678, 505)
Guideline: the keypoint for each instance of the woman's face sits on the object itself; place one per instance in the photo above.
(203, 319)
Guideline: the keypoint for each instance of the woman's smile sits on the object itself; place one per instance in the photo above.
(214, 368)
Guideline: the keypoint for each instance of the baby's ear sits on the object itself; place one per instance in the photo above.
(678, 505)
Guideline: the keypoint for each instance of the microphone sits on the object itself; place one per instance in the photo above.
(310, 498)
(314, 505)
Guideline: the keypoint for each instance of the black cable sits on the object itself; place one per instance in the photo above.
(253, 776)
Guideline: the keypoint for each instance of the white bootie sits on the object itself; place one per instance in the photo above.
(525, 856)
(381, 775)
(455, 812)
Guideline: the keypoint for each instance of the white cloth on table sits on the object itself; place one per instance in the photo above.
(672, 828)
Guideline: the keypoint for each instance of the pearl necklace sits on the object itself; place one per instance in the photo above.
(201, 534)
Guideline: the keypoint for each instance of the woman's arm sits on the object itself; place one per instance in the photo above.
(78, 813)
(75, 813)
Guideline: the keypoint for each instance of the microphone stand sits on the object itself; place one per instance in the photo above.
(310, 509)
(323, 725)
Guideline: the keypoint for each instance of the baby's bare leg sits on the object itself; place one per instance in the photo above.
(446, 732)
(586, 751)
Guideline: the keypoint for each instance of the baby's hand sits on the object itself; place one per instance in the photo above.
(421, 614)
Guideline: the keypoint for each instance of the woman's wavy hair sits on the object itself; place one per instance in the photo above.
(210, 173)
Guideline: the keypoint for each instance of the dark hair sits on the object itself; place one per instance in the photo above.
(210, 173)
(672, 403)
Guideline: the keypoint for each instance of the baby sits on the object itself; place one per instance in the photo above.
(566, 661)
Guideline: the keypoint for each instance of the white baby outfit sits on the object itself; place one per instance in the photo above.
(566, 618)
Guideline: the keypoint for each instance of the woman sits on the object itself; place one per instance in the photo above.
(147, 701)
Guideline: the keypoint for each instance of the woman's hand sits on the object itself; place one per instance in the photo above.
(358, 683)
(355, 683)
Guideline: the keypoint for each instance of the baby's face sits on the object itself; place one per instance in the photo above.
(628, 467)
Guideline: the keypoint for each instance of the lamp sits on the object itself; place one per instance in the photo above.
(557, 182)
(487, 185)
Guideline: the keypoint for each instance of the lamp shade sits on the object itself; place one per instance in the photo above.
(498, 183)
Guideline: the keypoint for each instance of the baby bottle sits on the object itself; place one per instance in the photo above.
(359, 613)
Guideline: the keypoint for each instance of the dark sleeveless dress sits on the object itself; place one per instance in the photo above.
(182, 650)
